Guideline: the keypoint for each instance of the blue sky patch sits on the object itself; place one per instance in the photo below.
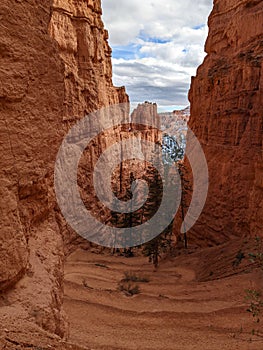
(199, 26)
(132, 50)
(128, 52)
(157, 40)
(145, 37)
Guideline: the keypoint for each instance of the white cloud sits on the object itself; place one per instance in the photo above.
(157, 46)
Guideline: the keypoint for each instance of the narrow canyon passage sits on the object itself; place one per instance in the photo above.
(62, 71)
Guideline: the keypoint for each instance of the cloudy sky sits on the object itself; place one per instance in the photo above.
(157, 46)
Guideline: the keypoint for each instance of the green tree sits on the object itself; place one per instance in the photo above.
(157, 246)
(162, 243)
(185, 190)
(173, 153)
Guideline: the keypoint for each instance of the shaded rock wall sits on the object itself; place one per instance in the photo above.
(31, 100)
(227, 117)
(77, 28)
(142, 125)
(55, 67)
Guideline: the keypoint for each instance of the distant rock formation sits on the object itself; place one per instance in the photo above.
(145, 118)
(145, 126)
(227, 117)
(175, 123)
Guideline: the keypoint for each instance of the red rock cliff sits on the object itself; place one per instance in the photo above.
(55, 67)
(78, 29)
(227, 117)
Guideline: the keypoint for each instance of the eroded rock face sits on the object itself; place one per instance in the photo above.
(227, 117)
(128, 162)
(55, 67)
(31, 100)
(78, 29)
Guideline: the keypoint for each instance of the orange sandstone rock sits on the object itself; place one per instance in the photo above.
(227, 117)
(55, 67)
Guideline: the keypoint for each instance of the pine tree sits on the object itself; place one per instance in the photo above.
(160, 244)
(185, 189)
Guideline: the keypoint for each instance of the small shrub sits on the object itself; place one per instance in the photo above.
(257, 257)
(255, 297)
(129, 288)
(256, 303)
(238, 259)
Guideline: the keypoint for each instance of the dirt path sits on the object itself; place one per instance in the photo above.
(172, 312)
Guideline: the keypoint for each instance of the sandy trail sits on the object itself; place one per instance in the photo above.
(173, 311)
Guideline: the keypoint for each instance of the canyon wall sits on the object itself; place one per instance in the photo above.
(55, 68)
(227, 117)
(78, 29)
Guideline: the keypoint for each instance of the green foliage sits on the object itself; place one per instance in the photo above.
(156, 246)
(238, 259)
(129, 283)
(257, 257)
(185, 189)
(162, 243)
(253, 296)
(129, 288)
(256, 303)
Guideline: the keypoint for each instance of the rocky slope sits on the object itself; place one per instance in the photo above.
(55, 67)
(174, 123)
(227, 117)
